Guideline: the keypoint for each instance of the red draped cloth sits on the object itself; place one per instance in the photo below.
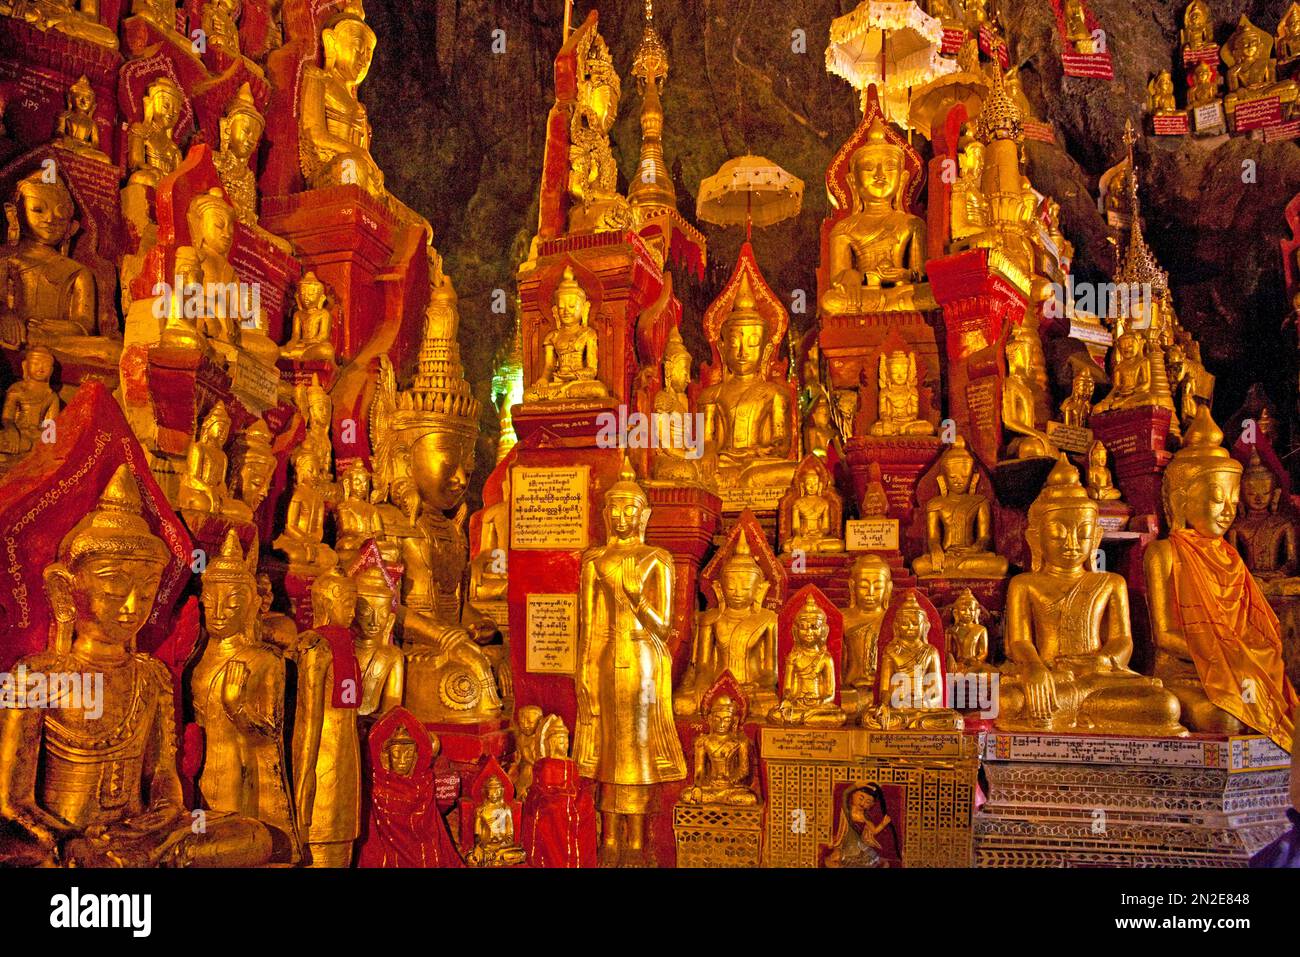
(559, 817)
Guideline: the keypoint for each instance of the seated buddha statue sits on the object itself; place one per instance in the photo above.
(959, 523)
(877, 252)
(303, 538)
(211, 222)
(723, 758)
(1100, 486)
(1160, 95)
(47, 298)
(871, 587)
(357, 518)
(1077, 407)
(74, 18)
(747, 427)
(203, 489)
(151, 150)
(1217, 642)
(1265, 539)
(1019, 402)
(1252, 71)
(1205, 86)
(240, 131)
(76, 128)
(813, 508)
(73, 793)
(1198, 27)
(1287, 44)
(28, 403)
(488, 569)
(1077, 33)
(569, 366)
(909, 685)
(900, 396)
(808, 688)
(738, 635)
(819, 434)
(970, 207)
(218, 20)
(675, 459)
(968, 639)
(310, 338)
(494, 830)
(1131, 374)
(180, 331)
(1068, 638)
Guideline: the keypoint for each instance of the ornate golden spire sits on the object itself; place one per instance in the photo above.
(1139, 266)
(999, 117)
(652, 186)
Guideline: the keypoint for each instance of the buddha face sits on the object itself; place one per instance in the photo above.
(333, 600)
(83, 100)
(227, 607)
(1129, 345)
(1083, 386)
(46, 212)
(556, 744)
(494, 790)
(740, 586)
(38, 366)
(1164, 84)
(722, 717)
(911, 625)
(871, 587)
(957, 472)
(349, 46)
(164, 107)
(216, 430)
(529, 717)
(897, 368)
(821, 414)
(440, 465)
(357, 485)
(1248, 47)
(570, 306)
(812, 484)
(677, 373)
(240, 134)
(311, 293)
(374, 615)
(1257, 490)
(878, 172)
(1202, 74)
(1067, 536)
(216, 227)
(1195, 18)
(810, 627)
(743, 344)
(307, 468)
(255, 479)
(623, 515)
(113, 596)
(972, 160)
(399, 755)
(1210, 501)
(965, 613)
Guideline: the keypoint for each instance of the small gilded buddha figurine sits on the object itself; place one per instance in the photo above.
(723, 760)
(1205, 86)
(968, 640)
(47, 298)
(871, 588)
(76, 128)
(311, 336)
(959, 523)
(814, 511)
(28, 403)
(1100, 486)
(358, 519)
(673, 460)
(1077, 33)
(1160, 95)
(808, 688)
(737, 636)
(625, 737)
(1132, 375)
(317, 409)
(237, 689)
(382, 664)
(900, 396)
(559, 815)
(303, 538)
(1077, 407)
(1265, 539)
(203, 488)
(180, 331)
(240, 131)
(528, 747)
(96, 784)
(970, 207)
(74, 18)
(877, 252)
(747, 417)
(570, 363)
(1019, 401)
(151, 147)
(819, 433)
(1251, 70)
(1287, 44)
(1217, 642)
(494, 830)
(1068, 638)
(218, 20)
(1198, 27)
(909, 686)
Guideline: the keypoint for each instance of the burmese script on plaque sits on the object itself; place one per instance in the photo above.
(548, 509)
(552, 634)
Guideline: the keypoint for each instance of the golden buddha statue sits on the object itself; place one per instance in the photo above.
(738, 635)
(900, 396)
(1077, 407)
(970, 207)
(48, 298)
(528, 747)
(237, 689)
(1068, 639)
(959, 523)
(95, 783)
(357, 518)
(968, 639)
(1217, 642)
(488, 578)
(595, 204)
(75, 18)
(1252, 70)
(1265, 539)
(571, 349)
(1160, 95)
(810, 512)
(1205, 86)
(382, 664)
(747, 427)
(240, 131)
(203, 489)
(877, 252)
(151, 150)
(1287, 44)
(494, 830)
(1131, 372)
(326, 743)
(1019, 400)
(1076, 27)
(303, 538)
(180, 331)
(819, 433)
(808, 687)
(317, 410)
(871, 587)
(1100, 486)
(76, 128)
(909, 686)
(28, 404)
(334, 133)
(723, 758)
(218, 21)
(253, 465)
(673, 460)
(1198, 27)
(625, 737)
(311, 338)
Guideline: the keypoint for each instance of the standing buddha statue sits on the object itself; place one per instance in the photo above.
(382, 665)
(959, 523)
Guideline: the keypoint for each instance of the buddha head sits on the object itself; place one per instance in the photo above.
(38, 365)
(1063, 531)
(528, 719)
(230, 599)
(911, 623)
(356, 482)
(255, 464)
(400, 752)
(1164, 83)
(333, 599)
(311, 291)
(871, 584)
(81, 97)
(810, 483)
(554, 737)
(41, 211)
(1196, 22)
(349, 44)
(107, 571)
(215, 429)
(627, 509)
(1202, 482)
(677, 363)
(494, 791)
(897, 369)
(877, 170)
(572, 307)
(212, 224)
(722, 715)
(441, 463)
(162, 104)
(1259, 489)
(745, 338)
(966, 609)
(376, 609)
(810, 625)
(1247, 44)
(741, 585)
(971, 160)
(1203, 75)
(242, 127)
(957, 469)
(1083, 386)
(306, 468)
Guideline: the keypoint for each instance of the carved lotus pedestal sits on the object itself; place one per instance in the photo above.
(1136, 440)
(1062, 800)
(902, 461)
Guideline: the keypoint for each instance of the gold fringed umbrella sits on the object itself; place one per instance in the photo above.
(969, 85)
(749, 190)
